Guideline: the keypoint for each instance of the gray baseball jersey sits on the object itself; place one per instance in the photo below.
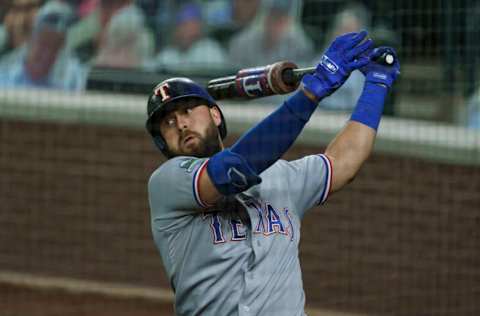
(239, 257)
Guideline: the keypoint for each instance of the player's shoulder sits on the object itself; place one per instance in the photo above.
(175, 166)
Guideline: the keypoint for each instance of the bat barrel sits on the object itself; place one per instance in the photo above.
(222, 80)
(222, 90)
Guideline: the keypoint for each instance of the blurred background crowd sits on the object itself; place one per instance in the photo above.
(59, 43)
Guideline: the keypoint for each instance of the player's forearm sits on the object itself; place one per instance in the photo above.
(353, 145)
(348, 151)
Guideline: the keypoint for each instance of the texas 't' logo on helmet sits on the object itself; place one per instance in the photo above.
(163, 91)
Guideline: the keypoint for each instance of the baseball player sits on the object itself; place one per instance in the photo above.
(227, 221)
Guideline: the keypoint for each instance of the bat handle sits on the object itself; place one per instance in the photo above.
(293, 76)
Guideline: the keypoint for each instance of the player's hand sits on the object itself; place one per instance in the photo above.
(346, 53)
(378, 73)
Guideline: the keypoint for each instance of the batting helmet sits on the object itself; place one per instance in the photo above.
(161, 101)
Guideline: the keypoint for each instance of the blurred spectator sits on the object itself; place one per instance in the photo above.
(161, 17)
(225, 18)
(275, 36)
(85, 36)
(127, 42)
(244, 12)
(352, 18)
(217, 13)
(189, 49)
(17, 23)
(4, 6)
(42, 62)
(83, 8)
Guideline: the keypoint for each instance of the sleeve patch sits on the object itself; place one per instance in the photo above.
(189, 164)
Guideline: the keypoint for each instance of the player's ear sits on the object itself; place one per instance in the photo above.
(215, 113)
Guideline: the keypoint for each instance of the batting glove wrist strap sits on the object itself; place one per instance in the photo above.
(381, 74)
(346, 53)
(369, 107)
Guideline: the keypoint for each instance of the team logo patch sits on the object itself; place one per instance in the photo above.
(189, 164)
(329, 64)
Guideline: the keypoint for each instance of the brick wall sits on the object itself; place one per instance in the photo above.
(402, 239)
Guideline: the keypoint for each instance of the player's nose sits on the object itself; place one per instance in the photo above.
(182, 122)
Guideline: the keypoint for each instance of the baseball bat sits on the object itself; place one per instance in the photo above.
(279, 78)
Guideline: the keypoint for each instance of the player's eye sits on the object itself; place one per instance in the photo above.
(169, 121)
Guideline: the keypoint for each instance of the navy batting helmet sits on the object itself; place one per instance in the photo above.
(161, 101)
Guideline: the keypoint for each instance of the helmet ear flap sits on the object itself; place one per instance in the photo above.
(160, 142)
(162, 145)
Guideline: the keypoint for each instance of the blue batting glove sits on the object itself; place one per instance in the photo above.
(378, 73)
(346, 53)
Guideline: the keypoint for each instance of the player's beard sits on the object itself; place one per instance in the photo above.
(206, 146)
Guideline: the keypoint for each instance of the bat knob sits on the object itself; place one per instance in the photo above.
(387, 59)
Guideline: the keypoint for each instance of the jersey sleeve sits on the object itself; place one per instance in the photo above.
(173, 188)
(309, 181)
